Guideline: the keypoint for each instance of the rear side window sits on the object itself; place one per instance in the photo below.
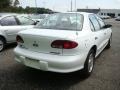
(101, 22)
(95, 22)
(8, 21)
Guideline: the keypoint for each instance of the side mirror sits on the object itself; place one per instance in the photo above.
(36, 22)
(107, 26)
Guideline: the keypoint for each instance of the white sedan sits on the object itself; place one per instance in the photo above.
(10, 25)
(64, 42)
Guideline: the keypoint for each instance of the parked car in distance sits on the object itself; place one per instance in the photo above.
(105, 17)
(10, 25)
(64, 43)
(117, 18)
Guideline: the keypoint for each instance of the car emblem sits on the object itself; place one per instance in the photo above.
(35, 44)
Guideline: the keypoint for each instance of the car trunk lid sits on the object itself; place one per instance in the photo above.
(40, 40)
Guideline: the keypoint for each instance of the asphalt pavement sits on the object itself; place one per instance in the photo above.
(106, 75)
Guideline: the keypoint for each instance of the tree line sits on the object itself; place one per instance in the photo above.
(9, 6)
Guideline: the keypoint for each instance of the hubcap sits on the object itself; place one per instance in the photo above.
(1, 45)
(90, 63)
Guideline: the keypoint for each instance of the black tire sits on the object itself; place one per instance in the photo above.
(2, 44)
(109, 43)
(87, 68)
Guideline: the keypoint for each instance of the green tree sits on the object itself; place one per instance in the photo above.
(5, 3)
(10, 6)
(16, 2)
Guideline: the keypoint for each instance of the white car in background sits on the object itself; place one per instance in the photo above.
(117, 18)
(10, 25)
(64, 42)
(38, 17)
(105, 17)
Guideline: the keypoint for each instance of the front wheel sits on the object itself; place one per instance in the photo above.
(89, 64)
(2, 44)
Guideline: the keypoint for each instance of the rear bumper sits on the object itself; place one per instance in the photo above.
(48, 62)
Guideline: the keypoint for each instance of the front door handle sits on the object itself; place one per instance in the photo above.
(6, 30)
(105, 33)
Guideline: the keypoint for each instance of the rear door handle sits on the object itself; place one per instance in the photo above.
(96, 38)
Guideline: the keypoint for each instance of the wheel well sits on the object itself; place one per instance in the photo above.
(94, 48)
(3, 38)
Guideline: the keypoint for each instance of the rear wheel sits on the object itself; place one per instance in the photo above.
(109, 43)
(2, 44)
(89, 64)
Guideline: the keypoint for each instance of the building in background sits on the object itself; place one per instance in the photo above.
(102, 12)
(96, 11)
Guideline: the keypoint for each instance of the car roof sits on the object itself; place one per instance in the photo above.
(6, 15)
(2, 16)
(83, 13)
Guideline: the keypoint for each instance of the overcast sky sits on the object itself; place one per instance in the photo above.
(64, 5)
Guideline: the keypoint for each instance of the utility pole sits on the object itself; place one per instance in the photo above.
(44, 4)
(71, 5)
(36, 5)
(75, 6)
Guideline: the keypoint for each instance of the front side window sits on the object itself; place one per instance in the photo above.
(62, 21)
(101, 22)
(8, 21)
(25, 21)
(94, 22)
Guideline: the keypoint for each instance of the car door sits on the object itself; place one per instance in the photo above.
(97, 33)
(10, 27)
(105, 30)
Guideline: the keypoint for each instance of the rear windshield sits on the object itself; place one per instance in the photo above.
(62, 21)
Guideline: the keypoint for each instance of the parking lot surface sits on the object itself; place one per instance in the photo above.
(106, 75)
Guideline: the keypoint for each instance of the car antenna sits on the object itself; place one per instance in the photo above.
(76, 17)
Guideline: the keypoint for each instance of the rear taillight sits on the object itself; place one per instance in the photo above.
(64, 44)
(19, 39)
